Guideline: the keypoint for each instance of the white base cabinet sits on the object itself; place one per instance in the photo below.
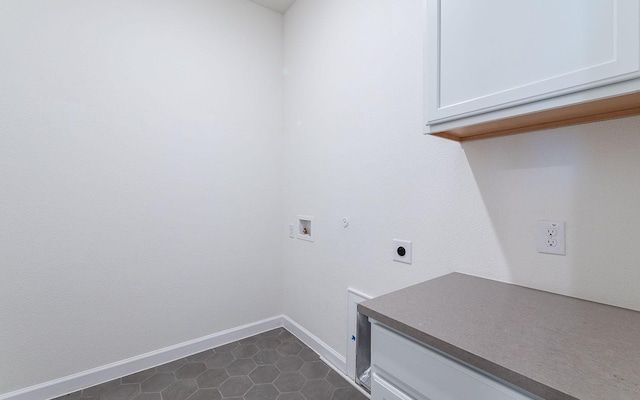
(405, 370)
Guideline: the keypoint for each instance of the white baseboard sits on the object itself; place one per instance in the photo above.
(331, 357)
(105, 373)
(328, 354)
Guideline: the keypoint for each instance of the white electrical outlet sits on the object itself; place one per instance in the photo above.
(402, 251)
(551, 237)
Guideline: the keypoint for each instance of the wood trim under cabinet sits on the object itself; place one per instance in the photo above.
(594, 111)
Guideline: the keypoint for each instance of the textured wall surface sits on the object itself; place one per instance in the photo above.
(354, 148)
(140, 178)
(588, 176)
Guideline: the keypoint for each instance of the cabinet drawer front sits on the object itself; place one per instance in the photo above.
(430, 374)
(489, 55)
(383, 390)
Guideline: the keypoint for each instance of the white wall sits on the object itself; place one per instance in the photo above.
(140, 178)
(354, 148)
(588, 176)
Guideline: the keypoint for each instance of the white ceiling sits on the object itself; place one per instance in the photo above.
(280, 6)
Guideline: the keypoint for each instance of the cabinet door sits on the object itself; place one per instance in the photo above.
(489, 55)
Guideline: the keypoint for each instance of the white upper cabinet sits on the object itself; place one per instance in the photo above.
(493, 59)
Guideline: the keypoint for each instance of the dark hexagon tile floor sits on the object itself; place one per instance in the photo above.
(273, 365)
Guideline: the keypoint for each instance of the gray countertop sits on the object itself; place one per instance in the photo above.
(553, 346)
